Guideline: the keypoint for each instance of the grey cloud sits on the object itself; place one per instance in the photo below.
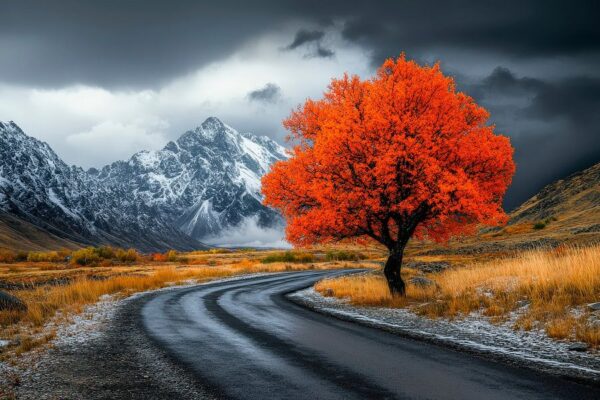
(576, 98)
(270, 93)
(520, 29)
(313, 40)
(122, 44)
(303, 37)
(146, 43)
(324, 53)
(553, 125)
(503, 81)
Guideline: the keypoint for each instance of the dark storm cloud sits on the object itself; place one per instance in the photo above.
(502, 81)
(270, 93)
(114, 43)
(576, 98)
(550, 114)
(554, 125)
(303, 36)
(313, 40)
(520, 29)
(145, 43)
(323, 52)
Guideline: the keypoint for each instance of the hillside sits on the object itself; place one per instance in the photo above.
(21, 235)
(564, 212)
(574, 202)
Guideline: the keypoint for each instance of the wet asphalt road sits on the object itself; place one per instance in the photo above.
(244, 340)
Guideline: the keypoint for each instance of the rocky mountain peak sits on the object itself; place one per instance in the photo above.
(211, 133)
(206, 181)
(213, 124)
(9, 126)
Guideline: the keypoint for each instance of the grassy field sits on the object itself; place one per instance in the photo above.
(55, 290)
(548, 289)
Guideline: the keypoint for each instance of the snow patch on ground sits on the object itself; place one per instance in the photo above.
(87, 325)
(473, 333)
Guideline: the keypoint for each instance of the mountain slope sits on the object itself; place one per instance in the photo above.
(573, 201)
(566, 212)
(21, 235)
(38, 187)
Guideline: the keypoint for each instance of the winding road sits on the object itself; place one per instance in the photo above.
(245, 340)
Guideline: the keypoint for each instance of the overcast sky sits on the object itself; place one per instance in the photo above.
(100, 80)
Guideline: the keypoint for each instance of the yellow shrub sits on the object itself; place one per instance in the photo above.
(130, 255)
(85, 256)
(49, 256)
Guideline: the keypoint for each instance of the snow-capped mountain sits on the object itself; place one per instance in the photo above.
(206, 181)
(37, 186)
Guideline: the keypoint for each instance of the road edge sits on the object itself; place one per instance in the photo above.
(503, 358)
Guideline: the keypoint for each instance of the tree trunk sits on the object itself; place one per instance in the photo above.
(392, 272)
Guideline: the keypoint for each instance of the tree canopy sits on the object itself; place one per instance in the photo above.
(384, 158)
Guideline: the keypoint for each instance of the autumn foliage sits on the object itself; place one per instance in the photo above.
(400, 154)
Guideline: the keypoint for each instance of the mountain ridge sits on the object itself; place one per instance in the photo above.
(142, 202)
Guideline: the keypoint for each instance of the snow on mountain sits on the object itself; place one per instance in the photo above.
(204, 184)
(37, 186)
(206, 181)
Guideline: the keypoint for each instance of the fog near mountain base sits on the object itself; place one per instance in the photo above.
(249, 234)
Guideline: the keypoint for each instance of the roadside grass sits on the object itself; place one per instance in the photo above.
(82, 286)
(362, 290)
(289, 256)
(344, 255)
(308, 256)
(547, 289)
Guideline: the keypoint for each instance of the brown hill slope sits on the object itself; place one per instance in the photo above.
(17, 234)
(571, 205)
(564, 212)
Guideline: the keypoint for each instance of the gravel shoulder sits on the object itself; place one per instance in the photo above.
(473, 334)
(104, 353)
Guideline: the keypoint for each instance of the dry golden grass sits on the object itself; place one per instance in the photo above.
(555, 284)
(71, 289)
(365, 290)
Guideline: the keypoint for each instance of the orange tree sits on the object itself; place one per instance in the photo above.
(401, 154)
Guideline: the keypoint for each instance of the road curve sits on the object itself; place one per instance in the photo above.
(243, 339)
